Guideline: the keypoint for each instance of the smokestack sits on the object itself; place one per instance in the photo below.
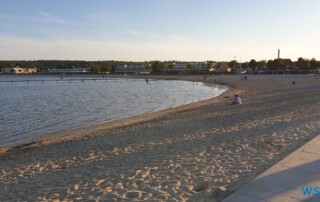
(278, 53)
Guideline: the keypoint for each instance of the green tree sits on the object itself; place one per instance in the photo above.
(105, 69)
(149, 67)
(244, 65)
(233, 64)
(190, 66)
(252, 64)
(270, 64)
(303, 64)
(95, 68)
(157, 67)
(172, 66)
(314, 63)
(278, 64)
(262, 64)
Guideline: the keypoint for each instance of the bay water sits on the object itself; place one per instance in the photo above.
(33, 107)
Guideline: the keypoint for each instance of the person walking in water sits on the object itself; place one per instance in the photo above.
(237, 100)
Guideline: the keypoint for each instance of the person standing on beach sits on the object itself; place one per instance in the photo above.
(237, 100)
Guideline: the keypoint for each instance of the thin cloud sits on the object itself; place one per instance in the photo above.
(51, 18)
(19, 18)
(141, 33)
(134, 33)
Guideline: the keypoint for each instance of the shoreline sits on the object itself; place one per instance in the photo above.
(201, 153)
(96, 130)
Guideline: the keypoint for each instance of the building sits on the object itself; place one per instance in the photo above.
(223, 67)
(132, 69)
(70, 71)
(201, 66)
(180, 67)
(7, 70)
(18, 70)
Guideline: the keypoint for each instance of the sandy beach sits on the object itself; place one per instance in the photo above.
(202, 151)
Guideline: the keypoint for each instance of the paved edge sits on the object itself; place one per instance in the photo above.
(286, 180)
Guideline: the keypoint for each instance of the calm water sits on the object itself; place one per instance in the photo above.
(33, 109)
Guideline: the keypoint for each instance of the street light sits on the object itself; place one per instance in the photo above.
(234, 64)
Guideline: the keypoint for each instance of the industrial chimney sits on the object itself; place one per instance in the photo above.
(278, 53)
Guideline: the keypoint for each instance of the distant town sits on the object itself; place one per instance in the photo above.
(276, 66)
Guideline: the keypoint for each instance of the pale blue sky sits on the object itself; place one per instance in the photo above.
(143, 30)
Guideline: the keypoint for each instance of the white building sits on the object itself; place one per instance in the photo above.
(70, 71)
(132, 69)
(201, 66)
(181, 67)
(198, 66)
(7, 70)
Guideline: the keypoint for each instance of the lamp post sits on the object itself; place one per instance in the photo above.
(234, 65)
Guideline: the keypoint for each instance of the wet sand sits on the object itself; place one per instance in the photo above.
(199, 152)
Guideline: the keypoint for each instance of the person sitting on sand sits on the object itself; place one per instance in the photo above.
(237, 100)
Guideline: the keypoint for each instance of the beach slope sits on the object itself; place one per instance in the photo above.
(198, 152)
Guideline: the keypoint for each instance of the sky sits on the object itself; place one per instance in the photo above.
(147, 30)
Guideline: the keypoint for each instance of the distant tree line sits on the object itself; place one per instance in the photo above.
(279, 64)
(158, 66)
